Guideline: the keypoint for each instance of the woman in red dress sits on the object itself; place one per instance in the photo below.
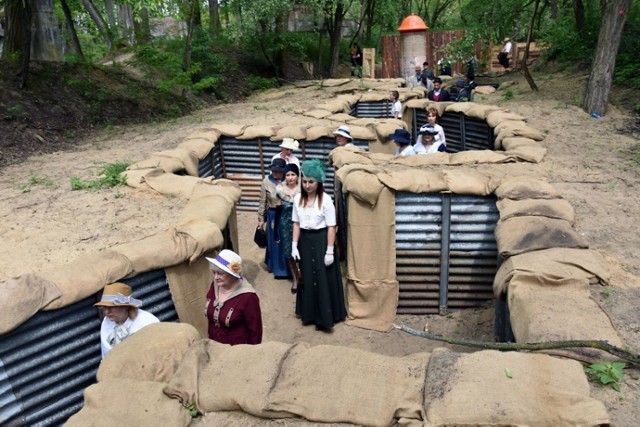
(233, 307)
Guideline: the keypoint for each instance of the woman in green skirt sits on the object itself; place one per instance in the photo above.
(320, 299)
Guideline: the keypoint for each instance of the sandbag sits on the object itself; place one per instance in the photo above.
(531, 233)
(296, 132)
(229, 129)
(492, 388)
(414, 180)
(317, 113)
(356, 386)
(126, 402)
(255, 132)
(499, 116)
(532, 153)
(554, 263)
(188, 159)
(161, 250)
(469, 181)
(151, 354)
(479, 156)
(221, 377)
(86, 275)
(544, 310)
(317, 132)
(485, 90)
(201, 147)
(166, 164)
(550, 208)
(524, 187)
(23, 296)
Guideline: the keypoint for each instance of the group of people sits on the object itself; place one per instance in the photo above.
(430, 138)
(460, 91)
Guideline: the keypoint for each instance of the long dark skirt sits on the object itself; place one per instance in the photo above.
(321, 298)
(274, 256)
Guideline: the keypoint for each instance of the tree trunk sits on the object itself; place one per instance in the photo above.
(525, 58)
(214, 18)
(72, 30)
(578, 11)
(99, 21)
(17, 45)
(125, 20)
(191, 23)
(335, 34)
(45, 44)
(604, 61)
(110, 10)
(143, 27)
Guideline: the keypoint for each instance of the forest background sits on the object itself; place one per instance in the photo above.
(191, 53)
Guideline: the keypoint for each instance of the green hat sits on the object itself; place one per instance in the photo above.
(313, 169)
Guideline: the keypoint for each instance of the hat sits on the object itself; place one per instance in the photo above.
(460, 83)
(292, 167)
(277, 165)
(117, 295)
(290, 143)
(427, 130)
(313, 169)
(401, 136)
(229, 262)
(344, 131)
(507, 39)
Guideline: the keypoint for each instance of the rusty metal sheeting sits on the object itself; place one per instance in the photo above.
(446, 253)
(48, 361)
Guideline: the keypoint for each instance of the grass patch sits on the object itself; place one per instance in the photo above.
(37, 180)
(109, 175)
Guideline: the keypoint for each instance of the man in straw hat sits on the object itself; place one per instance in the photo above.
(288, 146)
(122, 315)
(503, 56)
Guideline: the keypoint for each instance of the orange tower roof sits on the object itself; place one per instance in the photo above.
(412, 23)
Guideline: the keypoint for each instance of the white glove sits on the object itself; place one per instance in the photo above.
(294, 251)
(328, 257)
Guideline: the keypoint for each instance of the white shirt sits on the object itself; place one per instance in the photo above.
(314, 218)
(407, 151)
(440, 135)
(292, 159)
(397, 107)
(144, 318)
(507, 47)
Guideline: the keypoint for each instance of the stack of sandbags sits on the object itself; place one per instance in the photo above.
(548, 269)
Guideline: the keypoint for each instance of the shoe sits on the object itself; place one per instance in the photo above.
(294, 291)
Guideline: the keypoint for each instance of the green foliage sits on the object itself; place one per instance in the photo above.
(627, 65)
(508, 94)
(606, 373)
(261, 83)
(110, 175)
(37, 180)
(607, 292)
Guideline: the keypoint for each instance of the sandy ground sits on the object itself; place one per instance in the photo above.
(589, 162)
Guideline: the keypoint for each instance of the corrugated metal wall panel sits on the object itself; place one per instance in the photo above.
(47, 362)
(463, 133)
(446, 254)
(380, 109)
(245, 160)
(205, 167)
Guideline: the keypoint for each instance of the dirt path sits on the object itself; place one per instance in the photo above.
(589, 161)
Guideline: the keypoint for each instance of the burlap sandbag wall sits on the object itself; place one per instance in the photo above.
(209, 207)
(544, 259)
(294, 383)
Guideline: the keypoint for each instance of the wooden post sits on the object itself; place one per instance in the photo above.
(369, 62)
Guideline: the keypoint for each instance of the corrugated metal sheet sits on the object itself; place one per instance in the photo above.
(446, 253)
(47, 362)
(463, 133)
(379, 109)
(247, 163)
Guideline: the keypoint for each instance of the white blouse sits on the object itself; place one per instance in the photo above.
(314, 218)
(144, 318)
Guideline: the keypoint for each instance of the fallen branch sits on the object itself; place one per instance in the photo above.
(625, 355)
